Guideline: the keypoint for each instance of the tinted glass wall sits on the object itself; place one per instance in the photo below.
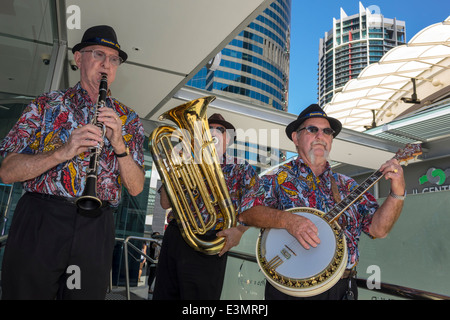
(255, 65)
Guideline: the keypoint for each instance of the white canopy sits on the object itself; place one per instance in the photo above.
(380, 87)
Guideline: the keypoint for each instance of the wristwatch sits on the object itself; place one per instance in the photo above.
(393, 195)
(121, 155)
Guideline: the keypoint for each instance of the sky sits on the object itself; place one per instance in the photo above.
(311, 19)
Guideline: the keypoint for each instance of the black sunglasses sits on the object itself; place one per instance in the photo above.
(314, 130)
(221, 129)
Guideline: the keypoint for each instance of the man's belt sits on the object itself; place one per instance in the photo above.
(348, 273)
(67, 200)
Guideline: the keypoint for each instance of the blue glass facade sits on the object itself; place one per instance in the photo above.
(255, 65)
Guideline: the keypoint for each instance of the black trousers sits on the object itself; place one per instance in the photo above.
(185, 274)
(340, 291)
(54, 253)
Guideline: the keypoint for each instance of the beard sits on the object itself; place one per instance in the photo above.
(313, 158)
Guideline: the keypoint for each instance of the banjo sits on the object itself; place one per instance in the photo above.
(298, 272)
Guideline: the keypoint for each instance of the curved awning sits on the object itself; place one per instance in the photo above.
(378, 91)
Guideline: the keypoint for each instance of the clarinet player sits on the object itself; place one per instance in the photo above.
(48, 151)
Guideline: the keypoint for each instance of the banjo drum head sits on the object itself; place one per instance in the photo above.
(294, 269)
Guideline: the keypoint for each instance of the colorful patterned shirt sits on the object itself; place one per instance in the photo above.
(47, 123)
(243, 185)
(295, 185)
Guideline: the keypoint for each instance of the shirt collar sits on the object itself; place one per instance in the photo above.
(228, 159)
(83, 92)
(300, 163)
(80, 89)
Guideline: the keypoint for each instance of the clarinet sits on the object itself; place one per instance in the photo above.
(89, 200)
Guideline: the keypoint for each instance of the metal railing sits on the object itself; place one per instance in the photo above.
(386, 288)
(402, 292)
(126, 244)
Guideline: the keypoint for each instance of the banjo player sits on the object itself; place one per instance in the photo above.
(308, 181)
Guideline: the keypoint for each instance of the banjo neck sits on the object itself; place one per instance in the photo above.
(334, 214)
(403, 155)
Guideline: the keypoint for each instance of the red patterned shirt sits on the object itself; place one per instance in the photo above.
(243, 185)
(47, 123)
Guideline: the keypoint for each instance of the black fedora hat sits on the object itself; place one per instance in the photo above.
(313, 111)
(219, 119)
(102, 36)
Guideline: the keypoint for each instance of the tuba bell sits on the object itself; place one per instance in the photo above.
(189, 167)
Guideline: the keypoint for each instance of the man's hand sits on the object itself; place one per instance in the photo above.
(113, 125)
(80, 140)
(393, 171)
(304, 230)
(232, 237)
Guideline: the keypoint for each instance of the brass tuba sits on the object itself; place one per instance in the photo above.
(188, 164)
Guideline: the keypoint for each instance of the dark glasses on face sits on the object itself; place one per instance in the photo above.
(315, 130)
(221, 129)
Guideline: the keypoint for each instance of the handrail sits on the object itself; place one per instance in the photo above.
(126, 244)
(403, 292)
(387, 288)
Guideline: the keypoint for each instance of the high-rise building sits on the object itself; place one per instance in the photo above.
(254, 66)
(353, 43)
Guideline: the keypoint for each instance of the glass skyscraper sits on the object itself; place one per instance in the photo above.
(255, 65)
(354, 42)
